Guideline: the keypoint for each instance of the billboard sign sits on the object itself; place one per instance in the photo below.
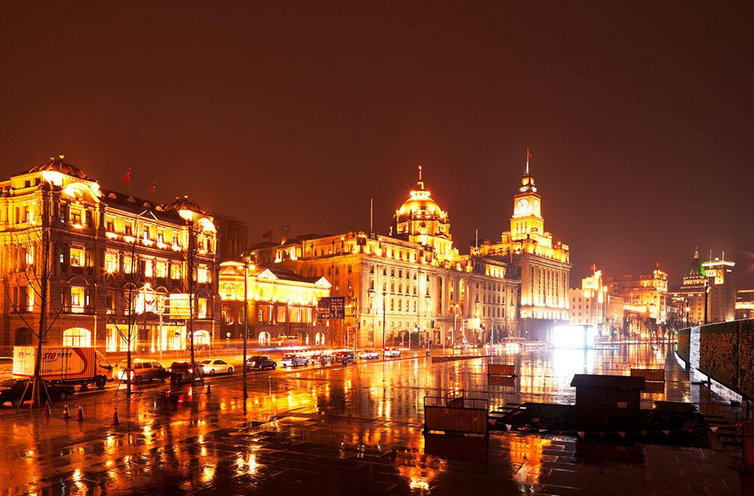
(331, 308)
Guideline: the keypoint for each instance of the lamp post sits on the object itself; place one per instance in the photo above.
(384, 304)
(245, 322)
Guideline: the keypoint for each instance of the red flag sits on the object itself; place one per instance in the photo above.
(127, 177)
(594, 267)
(153, 188)
(528, 155)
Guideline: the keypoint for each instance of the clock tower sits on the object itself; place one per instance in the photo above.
(527, 209)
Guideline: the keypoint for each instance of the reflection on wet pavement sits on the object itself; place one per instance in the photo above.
(353, 430)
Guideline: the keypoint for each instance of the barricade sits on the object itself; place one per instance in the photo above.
(656, 375)
(507, 369)
(455, 414)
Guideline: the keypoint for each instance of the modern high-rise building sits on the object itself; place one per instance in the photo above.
(411, 285)
(689, 297)
(721, 297)
(543, 263)
(106, 269)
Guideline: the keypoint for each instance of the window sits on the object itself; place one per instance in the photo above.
(75, 216)
(128, 265)
(162, 269)
(77, 336)
(202, 308)
(111, 262)
(77, 299)
(175, 271)
(148, 268)
(77, 256)
(110, 224)
(202, 276)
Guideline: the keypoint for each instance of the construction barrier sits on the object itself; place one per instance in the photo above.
(501, 369)
(657, 375)
(463, 415)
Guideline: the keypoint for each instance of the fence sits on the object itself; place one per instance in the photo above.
(501, 369)
(657, 375)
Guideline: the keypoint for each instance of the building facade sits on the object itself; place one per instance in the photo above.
(592, 305)
(115, 270)
(689, 297)
(721, 297)
(281, 304)
(411, 287)
(543, 263)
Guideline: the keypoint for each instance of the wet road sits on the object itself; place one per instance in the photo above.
(351, 430)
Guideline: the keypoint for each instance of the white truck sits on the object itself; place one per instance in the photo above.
(69, 365)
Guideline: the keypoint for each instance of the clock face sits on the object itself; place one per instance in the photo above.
(522, 206)
(536, 205)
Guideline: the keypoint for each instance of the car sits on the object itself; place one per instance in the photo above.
(391, 353)
(326, 358)
(369, 355)
(181, 372)
(344, 356)
(261, 363)
(214, 366)
(11, 391)
(6, 367)
(291, 360)
(141, 370)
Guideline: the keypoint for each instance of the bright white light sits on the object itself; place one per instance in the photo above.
(573, 336)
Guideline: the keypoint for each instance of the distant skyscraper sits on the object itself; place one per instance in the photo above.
(688, 298)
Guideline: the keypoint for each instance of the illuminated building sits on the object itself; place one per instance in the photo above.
(645, 295)
(745, 304)
(104, 242)
(282, 305)
(591, 305)
(543, 263)
(413, 279)
(688, 298)
(721, 299)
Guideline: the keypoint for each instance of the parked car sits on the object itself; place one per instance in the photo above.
(215, 366)
(11, 391)
(290, 360)
(326, 358)
(141, 370)
(261, 363)
(181, 372)
(344, 356)
(369, 355)
(391, 353)
(6, 367)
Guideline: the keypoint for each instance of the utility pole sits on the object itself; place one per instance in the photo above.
(245, 322)
(384, 304)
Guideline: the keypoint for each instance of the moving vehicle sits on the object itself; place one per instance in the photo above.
(215, 366)
(369, 355)
(391, 353)
(181, 372)
(326, 358)
(342, 356)
(291, 360)
(261, 363)
(12, 389)
(141, 370)
(67, 364)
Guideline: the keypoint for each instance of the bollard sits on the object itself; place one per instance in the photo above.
(116, 419)
(66, 412)
(48, 410)
(80, 416)
(209, 389)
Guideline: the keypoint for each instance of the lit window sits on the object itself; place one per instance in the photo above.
(77, 337)
(76, 216)
(77, 299)
(202, 308)
(111, 262)
(175, 271)
(162, 269)
(77, 257)
(148, 268)
(127, 265)
(202, 276)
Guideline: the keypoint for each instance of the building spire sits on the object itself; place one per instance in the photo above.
(420, 182)
(528, 158)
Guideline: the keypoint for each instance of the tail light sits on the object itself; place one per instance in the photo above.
(191, 371)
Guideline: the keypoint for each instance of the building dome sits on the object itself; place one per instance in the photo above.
(56, 164)
(420, 205)
(184, 204)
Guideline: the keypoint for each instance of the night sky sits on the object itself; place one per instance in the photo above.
(638, 115)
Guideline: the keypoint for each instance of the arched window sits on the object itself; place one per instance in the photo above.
(319, 339)
(201, 338)
(77, 336)
(264, 338)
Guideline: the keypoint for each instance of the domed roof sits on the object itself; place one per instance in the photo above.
(57, 164)
(420, 204)
(695, 267)
(184, 204)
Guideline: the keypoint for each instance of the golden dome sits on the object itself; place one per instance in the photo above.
(420, 205)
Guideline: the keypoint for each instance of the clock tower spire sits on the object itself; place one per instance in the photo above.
(527, 207)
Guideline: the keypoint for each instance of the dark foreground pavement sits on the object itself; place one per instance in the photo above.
(353, 430)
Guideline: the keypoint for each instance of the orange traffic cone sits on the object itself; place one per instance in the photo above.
(80, 416)
(66, 412)
(48, 410)
(116, 419)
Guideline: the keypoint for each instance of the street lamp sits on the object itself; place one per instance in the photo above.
(384, 304)
(246, 263)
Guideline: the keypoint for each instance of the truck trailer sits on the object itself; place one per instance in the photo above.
(68, 364)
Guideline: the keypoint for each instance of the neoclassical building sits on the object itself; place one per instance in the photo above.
(410, 286)
(543, 263)
(111, 259)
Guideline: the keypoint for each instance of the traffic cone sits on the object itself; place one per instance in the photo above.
(48, 410)
(80, 416)
(66, 412)
(116, 419)
(209, 389)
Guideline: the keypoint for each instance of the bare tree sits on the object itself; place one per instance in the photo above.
(37, 246)
(123, 285)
